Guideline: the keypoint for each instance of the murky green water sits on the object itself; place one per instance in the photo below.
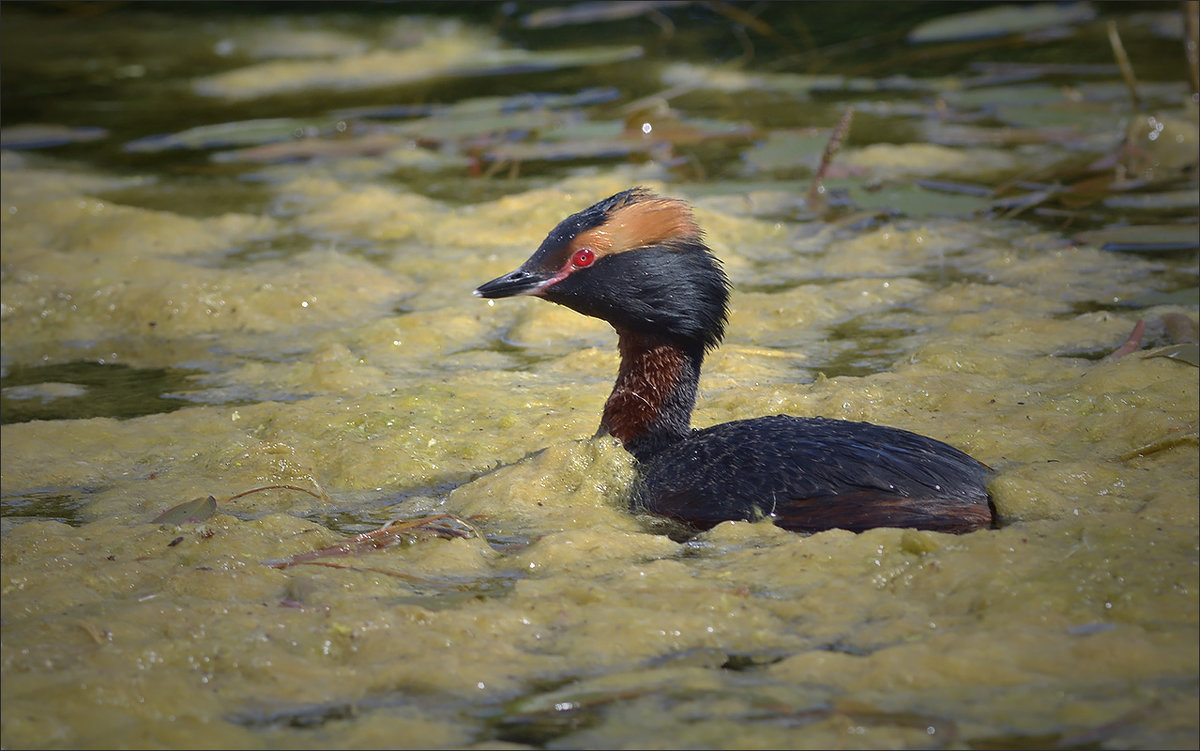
(238, 249)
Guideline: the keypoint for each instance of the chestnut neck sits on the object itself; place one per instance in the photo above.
(650, 407)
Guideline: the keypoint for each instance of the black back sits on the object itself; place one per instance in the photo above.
(811, 474)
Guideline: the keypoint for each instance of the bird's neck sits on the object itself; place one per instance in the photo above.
(651, 403)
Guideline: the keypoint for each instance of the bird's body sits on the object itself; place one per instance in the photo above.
(639, 262)
(810, 474)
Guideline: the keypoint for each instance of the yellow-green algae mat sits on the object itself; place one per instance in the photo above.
(561, 619)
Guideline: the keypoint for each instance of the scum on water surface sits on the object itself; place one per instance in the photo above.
(238, 248)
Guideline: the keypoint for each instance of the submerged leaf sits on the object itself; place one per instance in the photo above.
(795, 85)
(1152, 238)
(456, 125)
(1186, 296)
(1186, 353)
(958, 134)
(1169, 199)
(371, 144)
(911, 200)
(999, 20)
(464, 55)
(221, 135)
(788, 150)
(1013, 95)
(36, 136)
(594, 12)
(588, 148)
(195, 510)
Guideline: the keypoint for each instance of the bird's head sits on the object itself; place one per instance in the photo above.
(636, 260)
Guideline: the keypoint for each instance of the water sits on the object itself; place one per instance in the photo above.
(245, 272)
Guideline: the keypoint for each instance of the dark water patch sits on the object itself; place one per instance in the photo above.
(443, 595)
(194, 196)
(1186, 296)
(300, 716)
(313, 716)
(1094, 354)
(368, 512)
(747, 661)
(82, 390)
(547, 711)
(267, 249)
(1156, 239)
(48, 505)
(875, 349)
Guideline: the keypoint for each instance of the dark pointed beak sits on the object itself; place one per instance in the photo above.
(519, 282)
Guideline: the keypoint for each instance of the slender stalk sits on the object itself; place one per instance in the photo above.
(1114, 38)
(816, 191)
(1191, 42)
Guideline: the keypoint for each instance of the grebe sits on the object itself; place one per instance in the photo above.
(639, 262)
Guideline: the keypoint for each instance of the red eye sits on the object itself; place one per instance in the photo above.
(583, 258)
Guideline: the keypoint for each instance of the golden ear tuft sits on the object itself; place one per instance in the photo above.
(640, 222)
(653, 222)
